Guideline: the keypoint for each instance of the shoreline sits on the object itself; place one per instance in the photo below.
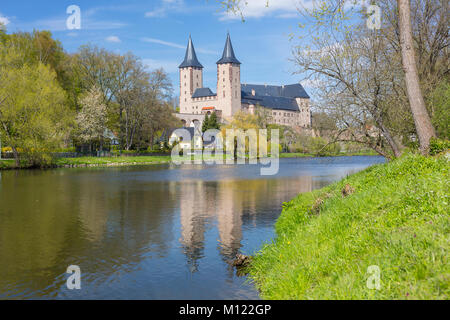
(109, 162)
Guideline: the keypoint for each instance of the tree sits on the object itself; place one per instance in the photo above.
(210, 122)
(424, 127)
(323, 123)
(133, 95)
(91, 119)
(213, 121)
(34, 119)
(205, 125)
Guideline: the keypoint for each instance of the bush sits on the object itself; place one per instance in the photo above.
(438, 146)
(316, 145)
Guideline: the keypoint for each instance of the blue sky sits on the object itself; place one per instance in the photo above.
(157, 31)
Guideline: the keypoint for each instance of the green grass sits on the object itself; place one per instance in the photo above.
(112, 160)
(397, 219)
(6, 164)
(302, 155)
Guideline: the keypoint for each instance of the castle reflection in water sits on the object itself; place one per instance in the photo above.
(227, 205)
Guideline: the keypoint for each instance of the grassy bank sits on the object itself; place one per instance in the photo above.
(94, 161)
(111, 161)
(395, 216)
(342, 154)
(6, 164)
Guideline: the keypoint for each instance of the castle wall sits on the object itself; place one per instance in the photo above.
(300, 118)
(199, 103)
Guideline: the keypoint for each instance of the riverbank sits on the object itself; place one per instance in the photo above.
(94, 162)
(393, 216)
(342, 154)
(130, 161)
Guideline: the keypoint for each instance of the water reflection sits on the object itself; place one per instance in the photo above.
(144, 232)
(228, 203)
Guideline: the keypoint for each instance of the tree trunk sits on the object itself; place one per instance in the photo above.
(16, 156)
(424, 128)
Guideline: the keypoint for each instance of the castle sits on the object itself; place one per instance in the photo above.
(288, 104)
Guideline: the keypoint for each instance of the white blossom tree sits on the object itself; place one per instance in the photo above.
(91, 119)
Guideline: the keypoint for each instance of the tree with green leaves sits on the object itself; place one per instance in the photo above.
(213, 122)
(210, 122)
(205, 125)
(34, 119)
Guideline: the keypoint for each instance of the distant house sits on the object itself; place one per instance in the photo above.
(109, 135)
(195, 141)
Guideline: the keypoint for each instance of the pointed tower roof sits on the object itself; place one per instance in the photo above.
(190, 59)
(228, 53)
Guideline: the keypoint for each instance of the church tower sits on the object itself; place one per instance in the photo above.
(229, 81)
(191, 78)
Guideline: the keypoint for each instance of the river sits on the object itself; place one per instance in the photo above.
(146, 232)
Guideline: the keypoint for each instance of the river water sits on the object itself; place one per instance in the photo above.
(149, 232)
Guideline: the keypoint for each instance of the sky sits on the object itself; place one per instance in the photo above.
(157, 31)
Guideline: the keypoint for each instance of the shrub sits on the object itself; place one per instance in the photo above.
(438, 146)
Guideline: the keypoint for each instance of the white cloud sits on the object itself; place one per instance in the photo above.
(157, 13)
(168, 66)
(59, 24)
(164, 43)
(113, 39)
(165, 7)
(176, 45)
(260, 8)
(4, 20)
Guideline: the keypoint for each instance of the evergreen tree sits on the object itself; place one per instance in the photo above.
(205, 125)
(213, 123)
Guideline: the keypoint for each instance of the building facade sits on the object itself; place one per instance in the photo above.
(288, 105)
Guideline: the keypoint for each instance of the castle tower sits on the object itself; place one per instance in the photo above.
(191, 78)
(229, 81)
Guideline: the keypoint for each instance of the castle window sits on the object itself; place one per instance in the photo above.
(224, 94)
